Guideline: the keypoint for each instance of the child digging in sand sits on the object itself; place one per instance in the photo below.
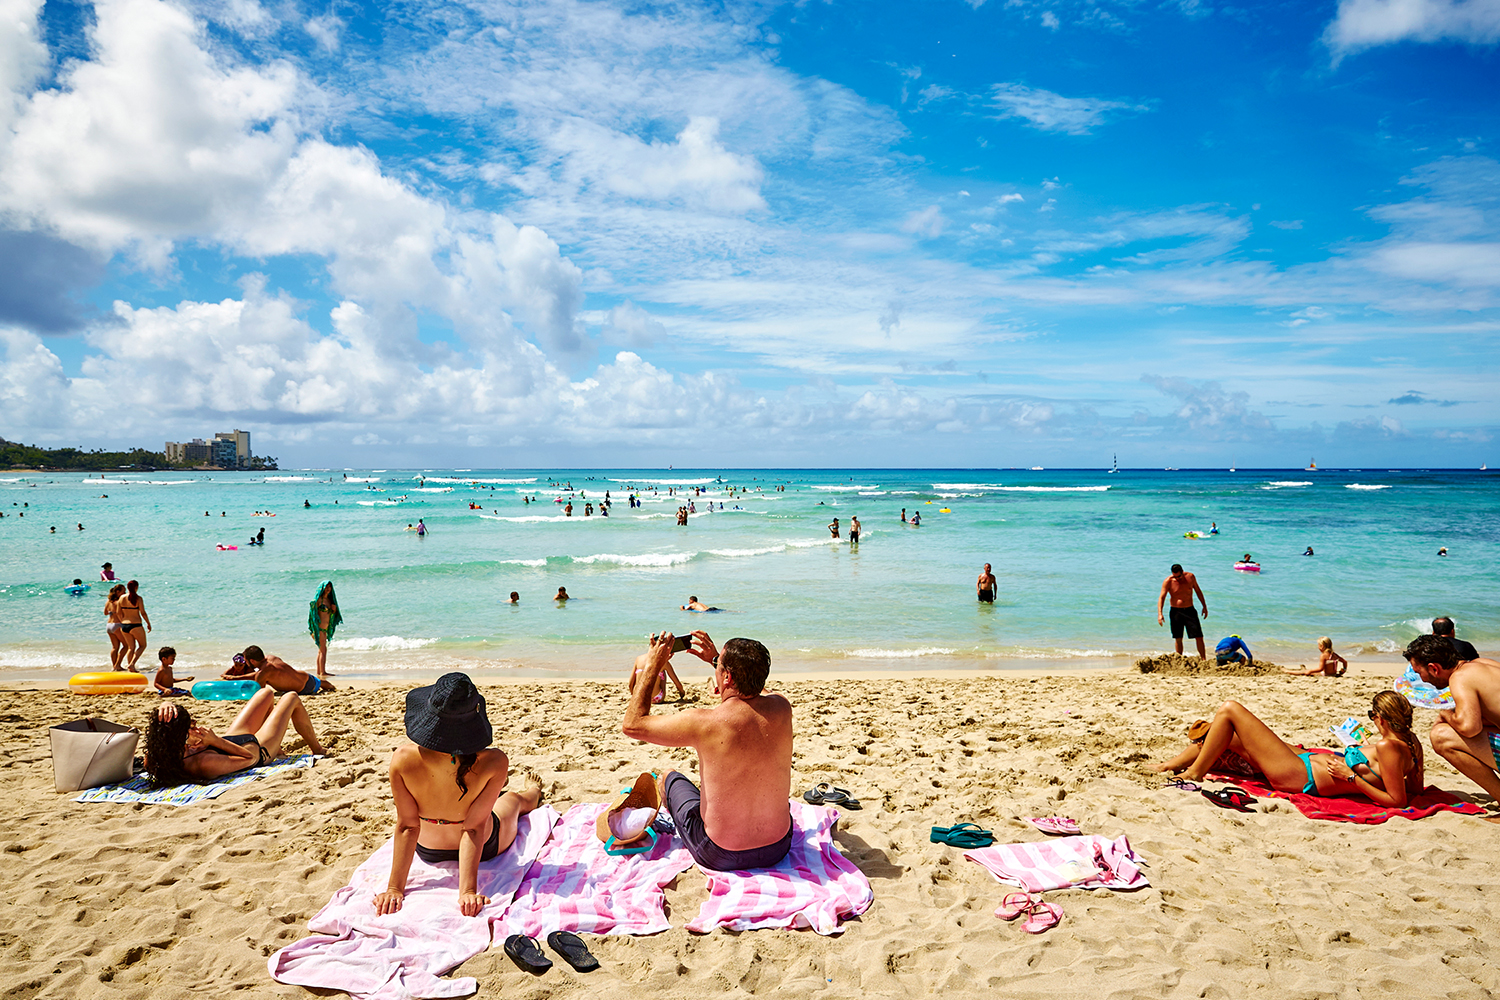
(166, 684)
(447, 783)
(1328, 660)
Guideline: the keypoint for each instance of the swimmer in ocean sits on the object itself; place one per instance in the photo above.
(833, 528)
(1213, 527)
(694, 604)
(985, 585)
(1309, 551)
(562, 595)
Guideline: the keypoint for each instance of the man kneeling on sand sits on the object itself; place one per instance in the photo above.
(1467, 735)
(742, 817)
(274, 672)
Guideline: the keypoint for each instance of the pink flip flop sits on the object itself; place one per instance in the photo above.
(1059, 825)
(1016, 904)
(1043, 916)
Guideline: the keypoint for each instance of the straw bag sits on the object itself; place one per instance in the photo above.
(92, 752)
(625, 827)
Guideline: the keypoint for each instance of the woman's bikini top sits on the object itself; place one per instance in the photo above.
(442, 822)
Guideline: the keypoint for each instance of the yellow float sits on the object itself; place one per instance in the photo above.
(108, 682)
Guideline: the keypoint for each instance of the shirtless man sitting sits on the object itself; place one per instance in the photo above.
(274, 672)
(742, 817)
(1467, 735)
(1181, 586)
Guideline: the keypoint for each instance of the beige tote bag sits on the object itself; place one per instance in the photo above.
(92, 752)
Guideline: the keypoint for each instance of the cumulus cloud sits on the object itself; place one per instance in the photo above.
(1051, 112)
(924, 222)
(1363, 24)
(1206, 409)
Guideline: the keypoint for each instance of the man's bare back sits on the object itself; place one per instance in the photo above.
(744, 747)
(275, 673)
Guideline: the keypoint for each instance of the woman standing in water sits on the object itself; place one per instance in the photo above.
(322, 618)
(118, 647)
(133, 618)
(448, 784)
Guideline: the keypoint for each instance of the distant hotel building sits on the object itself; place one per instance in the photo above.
(228, 450)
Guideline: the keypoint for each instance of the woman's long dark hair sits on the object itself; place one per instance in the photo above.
(465, 764)
(135, 599)
(165, 742)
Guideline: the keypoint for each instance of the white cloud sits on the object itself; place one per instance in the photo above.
(1053, 112)
(924, 222)
(1290, 224)
(1363, 24)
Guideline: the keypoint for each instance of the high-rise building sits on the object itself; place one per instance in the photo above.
(241, 441)
(222, 452)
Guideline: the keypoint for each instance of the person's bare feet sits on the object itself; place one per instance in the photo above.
(531, 793)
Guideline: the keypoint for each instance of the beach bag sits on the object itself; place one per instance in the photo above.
(92, 752)
(625, 827)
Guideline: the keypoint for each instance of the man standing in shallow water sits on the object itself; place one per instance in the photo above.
(986, 586)
(1181, 586)
(742, 816)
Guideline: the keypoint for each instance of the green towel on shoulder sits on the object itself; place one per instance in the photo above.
(334, 616)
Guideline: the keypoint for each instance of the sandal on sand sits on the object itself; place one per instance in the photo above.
(1039, 915)
(1060, 825)
(1231, 797)
(1015, 904)
(524, 952)
(965, 836)
(1183, 784)
(824, 794)
(571, 947)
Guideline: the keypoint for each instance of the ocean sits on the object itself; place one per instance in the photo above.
(1079, 555)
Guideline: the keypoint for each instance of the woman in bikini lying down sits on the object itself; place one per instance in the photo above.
(178, 751)
(448, 784)
(1389, 773)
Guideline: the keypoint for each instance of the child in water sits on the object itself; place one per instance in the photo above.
(166, 684)
(1328, 660)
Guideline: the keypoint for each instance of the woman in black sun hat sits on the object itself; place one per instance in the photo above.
(448, 786)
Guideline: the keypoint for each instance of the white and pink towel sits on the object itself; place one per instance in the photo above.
(575, 886)
(814, 885)
(403, 954)
(1091, 862)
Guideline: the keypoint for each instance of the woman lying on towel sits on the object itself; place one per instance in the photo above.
(179, 752)
(447, 783)
(1389, 774)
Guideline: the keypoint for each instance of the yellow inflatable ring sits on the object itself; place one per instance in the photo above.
(108, 682)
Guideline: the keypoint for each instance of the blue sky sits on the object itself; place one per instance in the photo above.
(590, 233)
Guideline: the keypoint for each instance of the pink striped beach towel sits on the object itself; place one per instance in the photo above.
(575, 886)
(403, 954)
(814, 885)
(1090, 862)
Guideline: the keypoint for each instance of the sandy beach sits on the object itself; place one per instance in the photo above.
(112, 900)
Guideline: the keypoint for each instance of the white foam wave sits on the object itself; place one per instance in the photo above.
(434, 489)
(666, 482)
(966, 486)
(651, 560)
(535, 518)
(1289, 482)
(378, 503)
(850, 486)
(487, 482)
(291, 479)
(1053, 489)
(1362, 486)
(1056, 654)
(901, 654)
(384, 643)
(737, 553)
(810, 543)
(523, 562)
(361, 479)
(872, 493)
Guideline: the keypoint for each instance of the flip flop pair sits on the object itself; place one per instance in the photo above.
(1040, 915)
(1060, 826)
(824, 794)
(1231, 797)
(525, 953)
(965, 836)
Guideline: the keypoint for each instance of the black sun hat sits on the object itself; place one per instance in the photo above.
(448, 716)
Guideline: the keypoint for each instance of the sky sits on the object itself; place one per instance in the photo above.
(589, 233)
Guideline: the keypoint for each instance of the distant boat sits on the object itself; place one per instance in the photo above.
(1036, 468)
(1232, 469)
(1312, 466)
(1117, 466)
(1485, 467)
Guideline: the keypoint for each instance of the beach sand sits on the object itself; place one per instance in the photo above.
(115, 900)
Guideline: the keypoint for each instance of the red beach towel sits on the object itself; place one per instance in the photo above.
(814, 886)
(1345, 809)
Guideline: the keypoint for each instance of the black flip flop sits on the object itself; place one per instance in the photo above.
(824, 794)
(571, 947)
(1231, 797)
(525, 953)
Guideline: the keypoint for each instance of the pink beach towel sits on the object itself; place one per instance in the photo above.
(1347, 809)
(575, 886)
(1091, 862)
(814, 885)
(402, 954)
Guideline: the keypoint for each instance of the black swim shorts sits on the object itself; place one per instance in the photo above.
(1186, 619)
(683, 804)
(987, 597)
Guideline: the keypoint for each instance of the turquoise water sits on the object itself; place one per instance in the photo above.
(1079, 554)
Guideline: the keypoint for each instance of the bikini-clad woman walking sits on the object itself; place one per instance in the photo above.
(134, 623)
(117, 644)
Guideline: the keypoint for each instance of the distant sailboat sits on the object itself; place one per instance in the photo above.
(1036, 468)
(1232, 468)
(1117, 466)
(1312, 465)
(1483, 467)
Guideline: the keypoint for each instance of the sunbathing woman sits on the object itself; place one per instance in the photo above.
(179, 752)
(1389, 774)
(447, 783)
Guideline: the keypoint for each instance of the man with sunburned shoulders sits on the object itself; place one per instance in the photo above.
(1467, 735)
(274, 672)
(742, 817)
(1181, 586)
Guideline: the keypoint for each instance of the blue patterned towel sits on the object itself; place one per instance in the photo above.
(138, 789)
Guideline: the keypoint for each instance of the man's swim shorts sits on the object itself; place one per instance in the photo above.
(1186, 619)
